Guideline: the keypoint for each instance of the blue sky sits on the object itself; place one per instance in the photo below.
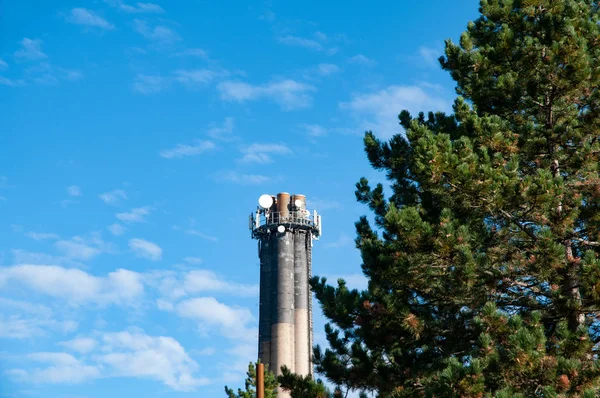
(135, 139)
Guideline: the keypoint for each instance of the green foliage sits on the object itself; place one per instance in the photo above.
(250, 391)
(483, 260)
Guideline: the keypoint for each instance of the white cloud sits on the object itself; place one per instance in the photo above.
(193, 260)
(81, 345)
(62, 368)
(74, 285)
(198, 281)
(25, 257)
(3, 64)
(321, 205)
(24, 320)
(173, 285)
(430, 55)
(314, 130)
(314, 45)
(328, 69)
(208, 312)
(360, 59)
(197, 77)
(201, 235)
(289, 94)
(145, 249)
(300, 42)
(83, 16)
(222, 132)
(135, 215)
(10, 82)
(321, 36)
(116, 229)
(139, 8)
(41, 235)
(18, 327)
(74, 190)
(160, 33)
(378, 111)
(261, 153)
(342, 241)
(113, 197)
(146, 84)
(242, 179)
(70, 74)
(30, 50)
(182, 150)
(192, 52)
(135, 354)
(82, 249)
(119, 354)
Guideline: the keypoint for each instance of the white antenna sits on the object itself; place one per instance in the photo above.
(265, 201)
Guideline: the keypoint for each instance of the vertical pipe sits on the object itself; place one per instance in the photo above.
(260, 380)
(265, 312)
(301, 322)
(283, 204)
(282, 332)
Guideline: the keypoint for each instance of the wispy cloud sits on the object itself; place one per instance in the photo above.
(145, 249)
(314, 45)
(41, 235)
(24, 320)
(113, 197)
(82, 345)
(300, 42)
(430, 56)
(191, 52)
(3, 64)
(146, 84)
(199, 234)
(321, 204)
(360, 59)
(4, 81)
(197, 77)
(261, 153)
(378, 110)
(30, 50)
(116, 229)
(193, 260)
(342, 241)
(241, 178)
(288, 93)
(138, 8)
(74, 190)
(328, 69)
(83, 16)
(314, 130)
(183, 150)
(80, 248)
(159, 33)
(223, 132)
(135, 215)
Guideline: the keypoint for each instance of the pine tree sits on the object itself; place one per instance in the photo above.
(250, 391)
(483, 261)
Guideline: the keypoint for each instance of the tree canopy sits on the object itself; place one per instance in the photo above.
(483, 259)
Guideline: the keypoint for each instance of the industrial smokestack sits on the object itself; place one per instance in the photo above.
(285, 230)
